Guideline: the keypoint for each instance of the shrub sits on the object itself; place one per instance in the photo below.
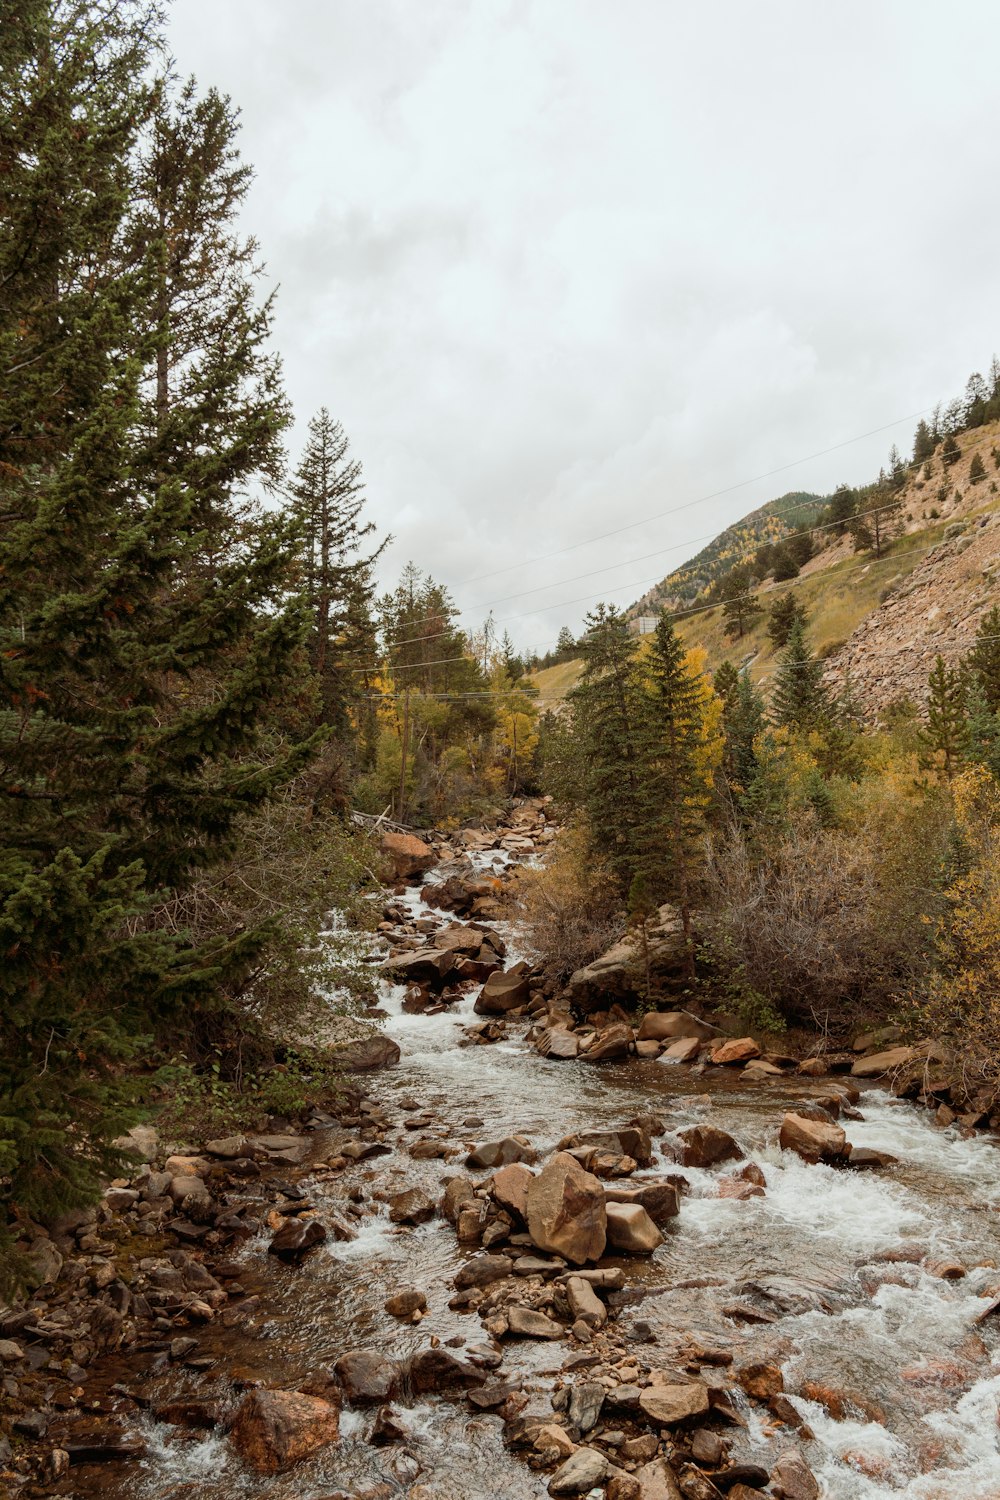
(569, 907)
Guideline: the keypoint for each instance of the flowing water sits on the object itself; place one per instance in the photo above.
(831, 1257)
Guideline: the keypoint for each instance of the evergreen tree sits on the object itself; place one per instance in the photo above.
(950, 451)
(984, 658)
(565, 644)
(798, 698)
(923, 443)
(875, 525)
(784, 614)
(842, 507)
(610, 709)
(945, 738)
(132, 676)
(977, 469)
(740, 605)
(725, 680)
(743, 719)
(329, 498)
(785, 564)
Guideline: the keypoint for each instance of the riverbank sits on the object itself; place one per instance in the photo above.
(447, 1341)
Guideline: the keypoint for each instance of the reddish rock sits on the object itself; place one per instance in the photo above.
(663, 1026)
(884, 1062)
(409, 856)
(566, 1211)
(631, 1230)
(295, 1238)
(274, 1430)
(610, 1044)
(510, 1188)
(685, 1049)
(740, 1050)
(792, 1479)
(761, 1381)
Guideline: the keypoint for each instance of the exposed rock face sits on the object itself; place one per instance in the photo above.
(706, 1145)
(813, 1140)
(275, 1430)
(409, 856)
(621, 970)
(631, 1230)
(566, 1211)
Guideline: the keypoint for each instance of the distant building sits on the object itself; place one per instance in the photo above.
(643, 624)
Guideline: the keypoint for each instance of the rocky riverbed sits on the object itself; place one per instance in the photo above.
(504, 1270)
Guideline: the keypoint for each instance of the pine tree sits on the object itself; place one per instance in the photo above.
(743, 719)
(874, 527)
(740, 605)
(328, 501)
(565, 644)
(923, 443)
(945, 738)
(784, 614)
(842, 507)
(798, 698)
(725, 680)
(984, 658)
(977, 469)
(133, 675)
(610, 716)
(950, 451)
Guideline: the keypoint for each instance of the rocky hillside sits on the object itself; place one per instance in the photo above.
(880, 621)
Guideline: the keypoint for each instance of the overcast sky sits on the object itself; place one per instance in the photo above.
(563, 265)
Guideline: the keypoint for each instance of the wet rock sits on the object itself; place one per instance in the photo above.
(535, 1265)
(667, 1404)
(761, 1381)
(881, 1063)
(661, 1200)
(566, 1211)
(425, 965)
(610, 1044)
(792, 1478)
(739, 1050)
(482, 1270)
(488, 1397)
(526, 1324)
(388, 1428)
(295, 1237)
(199, 1415)
(813, 1140)
(411, 1207)
(552, 1439)
(458, 1191)
(706, 1145)
(581, 1472)
(408, 856)
(866, 1156)
(274, 1430)
(707, 1448)
(510, 1188)
(627, 1140)
(584, 1302)
(631, 1230)
(503, 992)
(354, 1046)
(367, 1378)
(405, 1302)
(439, 1370)
(501, 1153)
(558, 1042)
(813, 1067)
(230, 1147)
(585, 1404)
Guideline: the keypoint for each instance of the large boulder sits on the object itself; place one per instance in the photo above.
(880, 1063)
(295, 1238)
(426, 965)
(620, 972)
(367, 1378)
(739, 1050)
(274, 1430)
(707, 1145)
(667, 1402)
(510, 1188)
(813, 1140)
(558, 1041)
(631, 1230)
(409, 856)
(583, 1471)
(503, 991)
(566, 1211)
(670, 1025)
(661, 1200)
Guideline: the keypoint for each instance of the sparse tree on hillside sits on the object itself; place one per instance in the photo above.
(843, 504)
(945, 738)
(740, 605)
(977, 469)
(785, 613)
(724, 680)
(984, 658)
(798, 698)
(923, 443)
(565, 644)
(874, 528)
(785, 565)
(743, 719)
(950, 451)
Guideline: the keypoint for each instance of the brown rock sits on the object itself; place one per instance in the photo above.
(527, 1324)
(813, 1140)
(275, 1430)
(671, 1025)
(705, 1145)
(661, 1200)
(668, 1404)
(739, 1050)
(503, 991)
(501, 1153)
(761, 1381)
(439, 1370)
(295, 1238)
(584, 1303)
(631, 1230)
(610, 1044)
(410, 1207)
(884, 1062)
(367, 1378)
(404, 1303)
(792, 1479)
(482, 1270)
(583, 1470)
(409, 856)
(558, 1042)
(685, 1049)
(813, 1067)
(566, 1211)
(657, 1482)
(510, 1188)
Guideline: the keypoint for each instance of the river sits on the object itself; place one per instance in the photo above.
(833, 1256)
